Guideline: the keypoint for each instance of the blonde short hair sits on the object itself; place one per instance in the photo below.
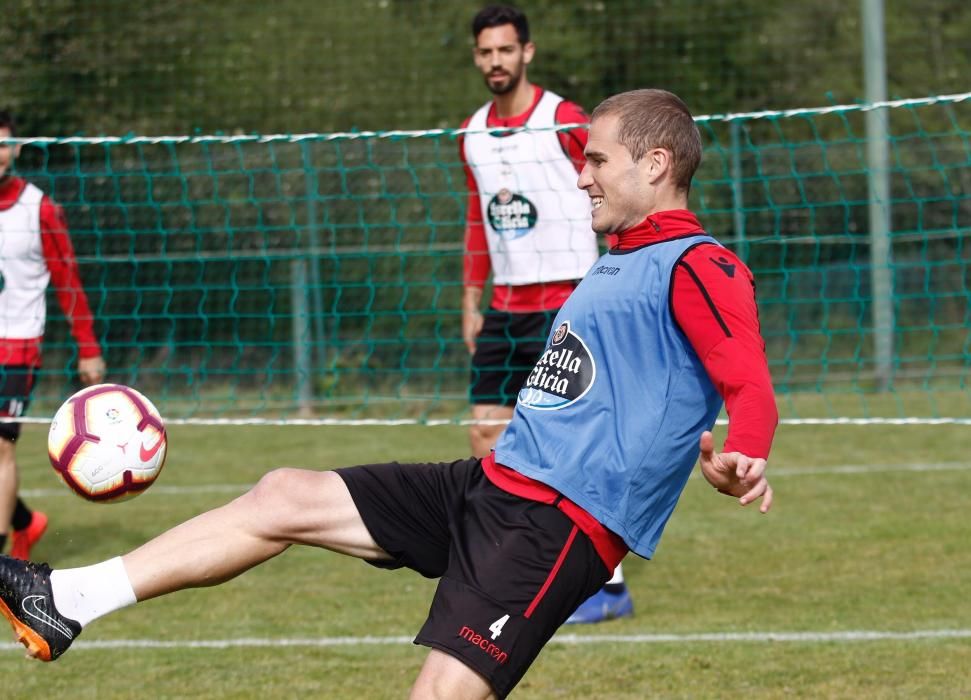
(652, 118)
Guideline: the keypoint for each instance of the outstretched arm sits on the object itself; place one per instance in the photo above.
(735, 474)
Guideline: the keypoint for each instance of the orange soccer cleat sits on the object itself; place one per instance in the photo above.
(23, 540)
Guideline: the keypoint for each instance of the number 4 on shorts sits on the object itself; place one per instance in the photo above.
(496, 627)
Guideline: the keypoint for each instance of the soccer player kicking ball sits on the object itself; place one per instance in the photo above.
(605, 433)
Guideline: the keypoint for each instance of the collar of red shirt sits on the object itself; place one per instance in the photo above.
(659, 226)
(492, 119)
(10, 189)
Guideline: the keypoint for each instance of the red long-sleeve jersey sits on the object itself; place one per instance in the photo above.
(61, 263)
(713, 302)
(477, 266)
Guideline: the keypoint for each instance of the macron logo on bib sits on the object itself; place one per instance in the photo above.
(562, 375)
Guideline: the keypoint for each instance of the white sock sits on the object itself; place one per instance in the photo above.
(87, 593)
(618, 575)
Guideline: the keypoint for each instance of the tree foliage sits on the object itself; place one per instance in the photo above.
(175, 66)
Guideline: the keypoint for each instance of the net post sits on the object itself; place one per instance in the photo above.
(313, 239)
(302, 337)
(878, 181)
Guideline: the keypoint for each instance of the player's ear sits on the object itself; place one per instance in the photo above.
(529, 49)
(657, 164)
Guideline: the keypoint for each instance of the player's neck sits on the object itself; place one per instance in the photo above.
(669, 200)
(515, 102)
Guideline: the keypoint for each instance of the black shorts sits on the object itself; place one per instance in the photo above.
(512, 570)
(505, 353)
(16, 387)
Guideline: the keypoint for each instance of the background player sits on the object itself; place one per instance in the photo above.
(36, 249)
(529, 226)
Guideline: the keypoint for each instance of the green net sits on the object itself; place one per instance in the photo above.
(318, 276)
(799, 211)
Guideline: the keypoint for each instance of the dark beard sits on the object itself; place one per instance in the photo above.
(514, 81)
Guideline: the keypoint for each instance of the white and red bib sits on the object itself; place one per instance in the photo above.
(24, 275)
(537, 222)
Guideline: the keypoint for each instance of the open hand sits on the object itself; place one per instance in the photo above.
(472, 321)
(735, 474)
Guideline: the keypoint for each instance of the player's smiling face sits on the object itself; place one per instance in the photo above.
(501, 58)
(7, 153)
(621, 190)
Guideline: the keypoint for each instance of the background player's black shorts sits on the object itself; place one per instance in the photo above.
(505, 353)
(16, 386)
(512, 570)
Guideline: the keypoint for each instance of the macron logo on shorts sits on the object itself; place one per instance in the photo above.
(476, 639)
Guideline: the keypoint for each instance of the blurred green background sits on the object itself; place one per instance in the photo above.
(319, 275)
(174, 66)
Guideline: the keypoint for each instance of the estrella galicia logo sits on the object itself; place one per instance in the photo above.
(511, 215)
(562, 375)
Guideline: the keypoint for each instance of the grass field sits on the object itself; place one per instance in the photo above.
(870, 533)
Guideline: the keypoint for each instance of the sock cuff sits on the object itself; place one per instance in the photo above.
(116, 569)
(85, 594)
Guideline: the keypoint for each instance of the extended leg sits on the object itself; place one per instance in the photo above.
(287, 506)
(48, 609)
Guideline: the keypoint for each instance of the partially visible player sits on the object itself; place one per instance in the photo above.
(35, 250)
(605, 434)
(528, 226)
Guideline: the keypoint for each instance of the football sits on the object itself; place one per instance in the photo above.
(107, 443)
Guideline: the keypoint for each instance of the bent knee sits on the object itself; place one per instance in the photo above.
(486, 432)
(483, 438)
(276, 479)
(302, 506)
(288, 485)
